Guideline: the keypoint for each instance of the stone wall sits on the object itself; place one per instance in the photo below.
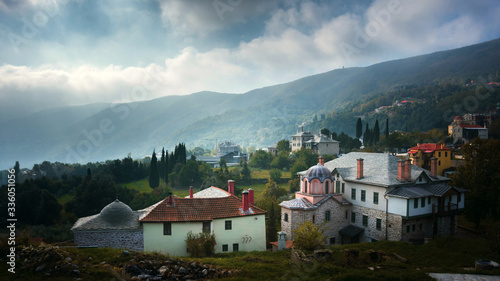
(371, 232)
(124, 239)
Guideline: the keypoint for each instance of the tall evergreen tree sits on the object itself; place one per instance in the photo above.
(376, 132)
(366, 135)
(387, 127)
(161, 167)
(154, 178)
(359, 128)
(166, 169)
(16, 169)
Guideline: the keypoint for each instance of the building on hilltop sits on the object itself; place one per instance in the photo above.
(471, 126)
(320, 144)
(365, 197)
(238, 225)
(422, 154)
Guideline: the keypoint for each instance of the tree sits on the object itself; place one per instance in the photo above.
(281, 161)
(16, 170)
(326, 132)
(189, 173)
(200, 245)
(376, 132)
(308, 237)
(261, 159)
(367, 136)
(154, 177)
(283, 145)
(246, 174)
(480, 175)
(275, 175)
(359, 128)
(299, 166)
(269, 201)
(161, 167)
(387, 127)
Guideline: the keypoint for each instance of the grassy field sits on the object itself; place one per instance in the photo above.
(264, 174)
(443, 255)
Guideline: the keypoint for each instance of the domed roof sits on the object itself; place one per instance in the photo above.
(319, 171)
(116, 212)
(458, 118)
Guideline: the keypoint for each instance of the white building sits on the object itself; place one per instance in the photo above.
(320, 144)
(236, 223)
(364, 197)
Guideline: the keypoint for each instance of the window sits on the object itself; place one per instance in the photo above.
(314, 219)
(353, 217)
(235, 247)
(229, 225)
(343, 187)
(379, 224)
(407, 228)
(446, 154)
(337, 186)
(332, 240)
(353, 193)
(206, 227)
(365, 220)
(439, 154)
(345, 214)
(286, 217)
(439, 163)
(415, 203)
(305, 186)
(225, 247)
(167, 228)
(420, 226)
(326, 187)
(375, 197)
(327, 215)
(459, 197)
(363, 195)
(422, 202)
(413, 228)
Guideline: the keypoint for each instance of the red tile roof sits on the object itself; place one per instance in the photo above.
(288, 244)
(199, 209)
(428, 147)
(470, 126)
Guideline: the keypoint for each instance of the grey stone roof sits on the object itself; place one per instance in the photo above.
(309, 134)
(322, 139)
(304, 204)
(378, 169)
(423, 190)
(211, 192)
(114, 216)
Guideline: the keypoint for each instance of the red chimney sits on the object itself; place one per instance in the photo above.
(245, 201)
(360, 168)
(190, 192)
(230, 186)
(170, 200)
(408, 170)
(434, 167)
(321, 160)
(400, 170)
(250, 197)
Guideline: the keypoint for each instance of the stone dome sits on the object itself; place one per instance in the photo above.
(116, 212)
(320, 172)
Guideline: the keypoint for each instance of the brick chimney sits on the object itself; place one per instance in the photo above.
(401, 164)
(245, 202)
(434, 167)
(360, 168)
(321, 160)
(230, 186)
(170, 200)
(250, 197)
(191, 192)
(408, 170)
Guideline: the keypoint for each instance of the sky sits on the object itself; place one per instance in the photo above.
(72, 52)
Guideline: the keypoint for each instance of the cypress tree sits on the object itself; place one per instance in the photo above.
(366, 135)
(387, 127)
(162, 164)
(154, 178)
(166, 168)
(359, 128)
(376, 132)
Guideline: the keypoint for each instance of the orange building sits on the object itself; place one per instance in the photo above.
(422, 153)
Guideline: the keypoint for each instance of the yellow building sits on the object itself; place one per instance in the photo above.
(422, 153)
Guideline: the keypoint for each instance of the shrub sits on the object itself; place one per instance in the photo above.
(308, 236)
(200, 245)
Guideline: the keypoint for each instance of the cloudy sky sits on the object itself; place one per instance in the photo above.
(70, 52)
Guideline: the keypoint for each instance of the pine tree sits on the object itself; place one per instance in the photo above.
(376, 132)
(387, 127)
(154, 178)
(359, 128)
(166, 167)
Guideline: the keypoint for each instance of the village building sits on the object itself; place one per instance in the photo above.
(238, 225)
(465, 130)
(422, 154)
(320, 144)
(366, 197)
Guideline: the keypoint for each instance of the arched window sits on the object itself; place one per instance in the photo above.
(305, 186)
(286, 217)
(328, 215)
(326, 187)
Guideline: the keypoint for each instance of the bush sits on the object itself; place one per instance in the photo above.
(200, 245)
(308, 236)
(275, 175)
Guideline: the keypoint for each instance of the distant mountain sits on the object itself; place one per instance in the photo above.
(257, 118)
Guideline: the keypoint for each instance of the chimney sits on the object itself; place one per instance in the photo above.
(321, 160)
(250, 197)
(230, 186)
(170, 200)
(245, 201)
(434, 167)
(360, 168)
(408, 170)
(191, 192)
(400, 170)
(281, 240)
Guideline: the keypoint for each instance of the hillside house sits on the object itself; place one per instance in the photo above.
(238, 225)
(320, 144)
(365, 197)
(422, 154)
(465, 130)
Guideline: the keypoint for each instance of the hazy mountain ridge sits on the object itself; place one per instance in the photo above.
(257, 118)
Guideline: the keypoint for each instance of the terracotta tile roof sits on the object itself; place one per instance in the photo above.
(428, 147)
(288, 244)
(471, 126)
(199, 209)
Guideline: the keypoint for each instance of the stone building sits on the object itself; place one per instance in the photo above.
(320, 144)
(116, 226)
(365, 197)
